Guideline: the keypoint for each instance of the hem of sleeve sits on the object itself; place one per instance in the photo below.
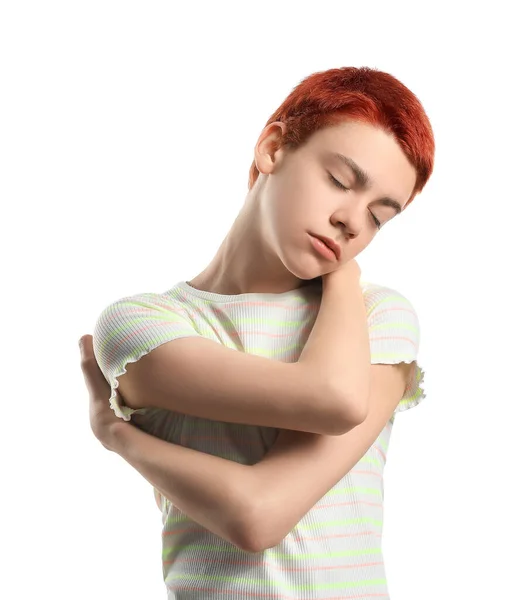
(114, 350)
(414, 392)
(119, 408)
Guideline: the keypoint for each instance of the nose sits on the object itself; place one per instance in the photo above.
(350, 224)
(349, 233)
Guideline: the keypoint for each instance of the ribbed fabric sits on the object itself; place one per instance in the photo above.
(334, 552)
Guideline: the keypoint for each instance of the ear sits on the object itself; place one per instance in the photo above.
(269, 150)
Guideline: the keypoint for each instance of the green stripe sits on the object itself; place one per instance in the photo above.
(295, 323)
(381, 326)
(372, 460)
(266, 583)
(127, 326)
(220, 320)
(339, 522)
(382, 443)
(393, 356)
(387, 299)
(362, 490)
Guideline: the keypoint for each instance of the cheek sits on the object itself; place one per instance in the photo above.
(362, 242)
(284, 202)
(294, 200)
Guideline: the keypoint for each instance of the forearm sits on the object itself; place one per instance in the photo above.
(339, 344)
(242, 504)
(209, 489)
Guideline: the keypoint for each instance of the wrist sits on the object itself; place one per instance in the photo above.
(341, 283)
(347, 275)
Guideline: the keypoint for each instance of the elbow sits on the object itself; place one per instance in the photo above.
(251, 544)
(255, 534)
(252, 540)
(256, 545)
(346, 413)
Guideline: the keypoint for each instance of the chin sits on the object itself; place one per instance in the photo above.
(308, 279)
(303, 271)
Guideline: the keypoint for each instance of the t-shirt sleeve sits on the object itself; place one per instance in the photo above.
(129, 329)
(395, 337)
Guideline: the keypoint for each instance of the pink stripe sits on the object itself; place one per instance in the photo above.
(129, 336)
(373, 473)
(385, 310)
(265, 563)
(319, 506)
(392, 337)
(275, 595)
(136, 311)
(320, 538)
(380, 451)
(195, 526)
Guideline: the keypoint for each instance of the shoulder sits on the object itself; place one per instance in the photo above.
(393, 324)
(383, 301)
(140, 320)
(142, 303)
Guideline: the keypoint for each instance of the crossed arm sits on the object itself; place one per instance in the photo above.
(254, 507)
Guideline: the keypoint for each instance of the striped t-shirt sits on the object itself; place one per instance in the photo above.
(334, 552)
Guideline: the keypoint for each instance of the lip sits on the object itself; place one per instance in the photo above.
(334, 246)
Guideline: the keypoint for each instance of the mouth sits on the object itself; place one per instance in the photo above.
(335, 247)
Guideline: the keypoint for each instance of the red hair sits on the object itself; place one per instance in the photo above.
(327, 98)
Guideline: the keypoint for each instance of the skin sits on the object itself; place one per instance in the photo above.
(294, 194)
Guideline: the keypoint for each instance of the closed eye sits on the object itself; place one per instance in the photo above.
(338, 183)
(342, 187)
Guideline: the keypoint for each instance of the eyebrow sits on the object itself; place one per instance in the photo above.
(365, 181)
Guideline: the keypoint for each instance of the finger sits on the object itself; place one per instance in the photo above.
(95, 380)
(86, 346)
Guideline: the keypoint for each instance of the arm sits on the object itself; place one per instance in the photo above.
(324, 392)
(212, 491)
(282, 496)
(255, 507)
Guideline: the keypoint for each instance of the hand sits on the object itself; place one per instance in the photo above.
(350, 271)
(103, 420)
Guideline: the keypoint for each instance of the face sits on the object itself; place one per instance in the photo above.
(312, 191)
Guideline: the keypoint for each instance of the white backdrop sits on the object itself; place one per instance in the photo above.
(126, 129)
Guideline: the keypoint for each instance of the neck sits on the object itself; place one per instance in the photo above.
(245, 262)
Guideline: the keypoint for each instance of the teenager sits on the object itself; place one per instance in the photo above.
(258, 397)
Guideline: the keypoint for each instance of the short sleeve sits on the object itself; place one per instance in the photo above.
(129, 329)
(395, 337)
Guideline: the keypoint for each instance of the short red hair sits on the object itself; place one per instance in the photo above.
(327, 98)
